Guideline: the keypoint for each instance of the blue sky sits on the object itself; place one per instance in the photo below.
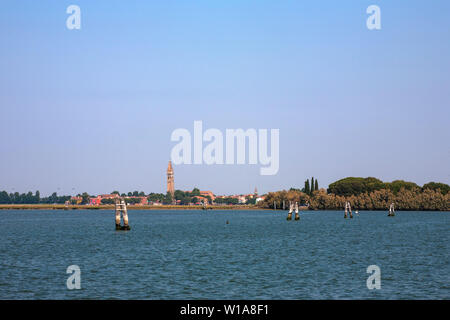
(93, 109)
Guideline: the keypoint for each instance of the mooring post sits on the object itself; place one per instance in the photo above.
(289, 217)
(121, 208)
(117, 207)
(391, 210)
(125, 216)
(345, 211)
(350, 210)
(297, 216)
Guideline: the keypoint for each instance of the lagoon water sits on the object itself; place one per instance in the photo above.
(196, 255)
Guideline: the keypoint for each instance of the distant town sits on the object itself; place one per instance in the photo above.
(194, 197)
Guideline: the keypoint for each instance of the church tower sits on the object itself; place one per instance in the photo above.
(170, 182)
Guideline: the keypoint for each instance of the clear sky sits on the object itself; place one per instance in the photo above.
(93, 109)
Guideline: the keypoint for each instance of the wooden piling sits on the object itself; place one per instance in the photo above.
(291, 207)
(121, 209)
(391, 210)
(297, 216)
(348, 210)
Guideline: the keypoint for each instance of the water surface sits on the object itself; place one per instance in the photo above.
(196, 255)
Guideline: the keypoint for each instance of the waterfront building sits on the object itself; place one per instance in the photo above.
(205, 194)
(95, 201)
(76, 200)
(109, 196)
(260, 199)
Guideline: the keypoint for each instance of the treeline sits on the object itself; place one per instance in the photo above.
(130, 194)
(30, 198)
(354, 186)
(226, 200)
(184, 197)
(367, 194)
(128, 200)
(309, 187)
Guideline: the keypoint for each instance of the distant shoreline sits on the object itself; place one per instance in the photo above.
(131, 207)
(162, 207)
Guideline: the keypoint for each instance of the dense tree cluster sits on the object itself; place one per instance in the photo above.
(444, 188)
(30, 198)
(159, 197)
(353, 186)
(184, 197)
(309, 188)
(130, 194)
(226, 200)
(367, 194)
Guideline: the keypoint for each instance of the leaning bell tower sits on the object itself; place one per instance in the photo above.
(170, 181)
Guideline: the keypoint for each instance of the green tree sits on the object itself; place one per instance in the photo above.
(53, 198)
(168, 198)
(15, 197)
(316, 185)
(185, 200)
(250, 200)
(354, 186)
(156, 197)
(29, 198)
(85, 198)
(132, 200)
(37, 197)
(227, 200)
(178, 194)
(5, 198)
(396, 185)
(307, 189)
(445, 188)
